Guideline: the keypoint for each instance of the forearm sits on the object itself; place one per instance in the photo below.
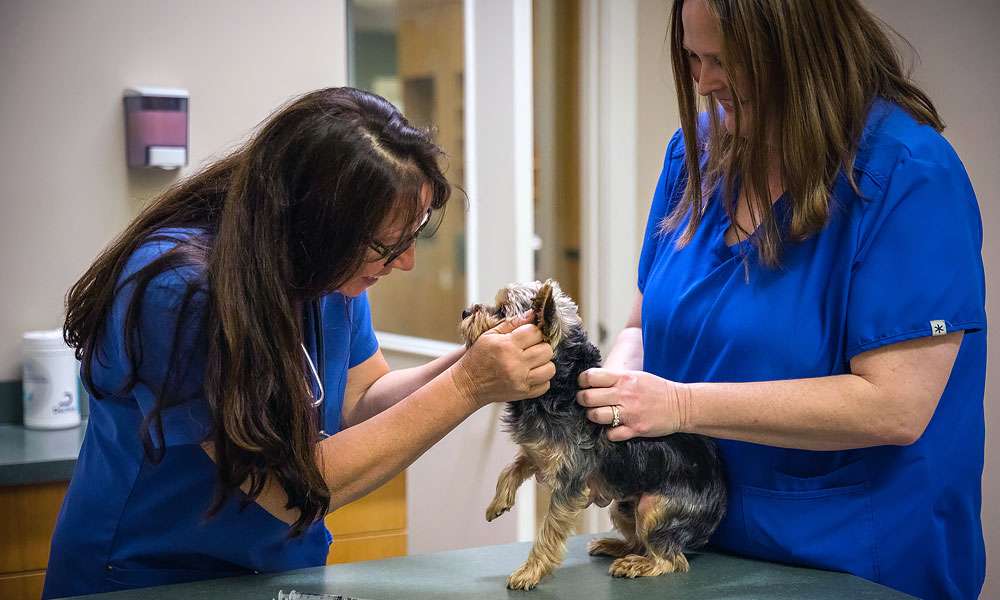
(626, 353)
(360, 459)
(826, 413)
(396, 385)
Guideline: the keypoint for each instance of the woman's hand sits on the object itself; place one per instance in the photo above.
(508, 362)
(647, 405)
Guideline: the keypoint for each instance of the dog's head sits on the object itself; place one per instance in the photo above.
(555, 312)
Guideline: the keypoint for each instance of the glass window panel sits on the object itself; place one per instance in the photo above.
(412, 53)
(556, 95)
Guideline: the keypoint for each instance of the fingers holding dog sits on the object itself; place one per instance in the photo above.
(613, 417)
(604, 415)
(512, 324)
(527, 336)
(542, 374)
(522, 330)
(538, 355)
(598, 378)
(646, 405)
(597, 397)
(509, 362)
(622, 433)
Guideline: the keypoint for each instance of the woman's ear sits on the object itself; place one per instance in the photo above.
(544, 305)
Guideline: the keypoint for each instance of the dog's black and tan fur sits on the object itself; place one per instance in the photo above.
(668, 492)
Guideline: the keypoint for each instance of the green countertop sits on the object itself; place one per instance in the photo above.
(31, 456)
(481, 573)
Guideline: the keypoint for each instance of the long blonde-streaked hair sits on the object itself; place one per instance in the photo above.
(812, 70)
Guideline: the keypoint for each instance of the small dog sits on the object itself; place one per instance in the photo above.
(669, 494)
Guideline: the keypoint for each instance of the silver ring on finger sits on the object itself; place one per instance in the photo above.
(616, 416)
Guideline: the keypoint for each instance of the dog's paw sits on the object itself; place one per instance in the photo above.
(609, 547)
(495, 509)
(526, 577)
(633, 566)
(680, 564)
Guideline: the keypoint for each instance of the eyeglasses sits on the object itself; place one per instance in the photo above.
(388, 254)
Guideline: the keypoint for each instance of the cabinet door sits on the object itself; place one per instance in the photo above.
(23, 586)
(27, 518)
(371, 527)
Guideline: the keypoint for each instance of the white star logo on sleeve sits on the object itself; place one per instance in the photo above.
(939, 328)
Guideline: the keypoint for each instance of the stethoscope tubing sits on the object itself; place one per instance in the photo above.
(316, 316)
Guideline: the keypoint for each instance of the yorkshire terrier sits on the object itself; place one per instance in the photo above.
(669, 494)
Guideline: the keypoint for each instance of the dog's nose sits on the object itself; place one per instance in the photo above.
(466, 313)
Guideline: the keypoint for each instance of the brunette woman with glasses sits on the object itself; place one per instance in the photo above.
(238, 393)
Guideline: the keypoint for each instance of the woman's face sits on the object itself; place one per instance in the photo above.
(703, 45)
(376, 267)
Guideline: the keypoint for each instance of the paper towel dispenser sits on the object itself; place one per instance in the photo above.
(156, 127)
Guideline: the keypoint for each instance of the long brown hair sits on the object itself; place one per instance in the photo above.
(812, 71)
(279, 222)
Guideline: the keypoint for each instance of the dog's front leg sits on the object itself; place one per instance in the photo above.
(510, 479)
(550, 547)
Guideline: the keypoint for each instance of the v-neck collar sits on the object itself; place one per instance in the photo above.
(745, 246)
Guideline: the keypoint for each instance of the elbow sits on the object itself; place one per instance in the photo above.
(903, 436)
(338, 500)
(904, 431)
(342, 495)
(348, 420)
(899, 417)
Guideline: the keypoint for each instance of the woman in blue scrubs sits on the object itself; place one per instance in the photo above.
(811, 294)
(238, 393)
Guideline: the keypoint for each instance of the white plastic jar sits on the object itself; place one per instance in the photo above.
(51, 399)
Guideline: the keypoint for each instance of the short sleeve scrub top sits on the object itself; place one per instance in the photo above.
(129, 522)
(899, 261)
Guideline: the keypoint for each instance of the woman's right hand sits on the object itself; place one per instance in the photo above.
(509, 362)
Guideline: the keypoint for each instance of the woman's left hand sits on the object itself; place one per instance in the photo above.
(647, 405)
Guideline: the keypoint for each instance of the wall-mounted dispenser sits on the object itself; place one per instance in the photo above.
(156, 127)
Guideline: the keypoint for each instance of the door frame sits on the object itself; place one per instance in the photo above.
(611, 239)
(499, 129)
(455, 480)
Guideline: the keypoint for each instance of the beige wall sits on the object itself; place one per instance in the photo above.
(657, 103)
(958, 48)
(64, 187)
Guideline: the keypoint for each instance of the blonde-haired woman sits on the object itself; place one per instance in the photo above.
(811, 293)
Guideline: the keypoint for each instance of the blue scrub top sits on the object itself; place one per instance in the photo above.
(900, 261)
(127, 522)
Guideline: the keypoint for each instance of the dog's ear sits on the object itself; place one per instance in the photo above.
(544, 305)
